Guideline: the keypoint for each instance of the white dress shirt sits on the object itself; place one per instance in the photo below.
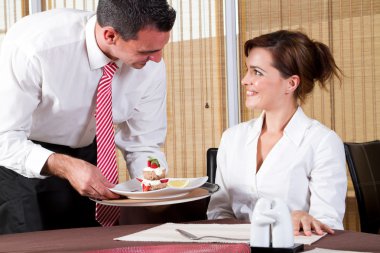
(50, 66)
(305, 168)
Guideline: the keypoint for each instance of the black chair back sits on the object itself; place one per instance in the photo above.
(211, 164)
(363, 161)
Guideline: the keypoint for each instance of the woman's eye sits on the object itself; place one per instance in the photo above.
(257, 73)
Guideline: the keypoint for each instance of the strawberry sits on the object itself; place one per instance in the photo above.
(164, 180)
(139, 179)
(153, 163)
(146, 188)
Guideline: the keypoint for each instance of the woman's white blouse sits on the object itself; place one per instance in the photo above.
(306, 168)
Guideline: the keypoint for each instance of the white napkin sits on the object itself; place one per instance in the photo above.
(167, 233)
(319, 250)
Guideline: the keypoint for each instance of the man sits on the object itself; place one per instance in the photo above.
(51, 64)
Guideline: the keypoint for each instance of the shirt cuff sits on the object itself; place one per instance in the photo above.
(36, 160)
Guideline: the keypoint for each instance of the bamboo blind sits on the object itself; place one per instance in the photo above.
(75, 4)
(196, 86)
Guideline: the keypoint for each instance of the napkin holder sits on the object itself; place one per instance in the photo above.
(271, 228)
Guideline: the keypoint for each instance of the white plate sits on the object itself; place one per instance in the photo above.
(195, 194)
(133, 190)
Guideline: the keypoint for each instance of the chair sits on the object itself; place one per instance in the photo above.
(211, 164)
(363, 161)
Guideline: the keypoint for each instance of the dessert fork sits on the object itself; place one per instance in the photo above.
(194, 237)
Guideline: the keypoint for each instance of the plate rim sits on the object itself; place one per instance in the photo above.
(156, 202)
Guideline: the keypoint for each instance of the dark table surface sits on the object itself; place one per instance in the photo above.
(98, 238)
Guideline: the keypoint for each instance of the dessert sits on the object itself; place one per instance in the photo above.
(153, 176)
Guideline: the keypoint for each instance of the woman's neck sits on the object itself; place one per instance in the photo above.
(275, 121)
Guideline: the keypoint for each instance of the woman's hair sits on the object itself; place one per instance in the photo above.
(294, 53)
(128, 17)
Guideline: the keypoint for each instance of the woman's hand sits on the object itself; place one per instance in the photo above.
(304, 221)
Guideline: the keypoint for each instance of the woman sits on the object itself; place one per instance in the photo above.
(283, 153)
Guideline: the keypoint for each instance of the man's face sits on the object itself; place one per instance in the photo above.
(147, 47)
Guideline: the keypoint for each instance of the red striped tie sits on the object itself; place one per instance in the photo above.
(105, 140)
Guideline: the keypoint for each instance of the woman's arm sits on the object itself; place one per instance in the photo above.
(328, 186)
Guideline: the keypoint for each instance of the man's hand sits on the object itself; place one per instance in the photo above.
(302, 220)
(83, 176)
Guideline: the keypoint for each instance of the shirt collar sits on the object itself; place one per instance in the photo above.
(295, 130)
(96, 57)
(255, 127)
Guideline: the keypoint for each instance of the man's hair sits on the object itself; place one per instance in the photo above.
(128, 17)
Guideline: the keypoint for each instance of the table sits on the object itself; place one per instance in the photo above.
(92, 239)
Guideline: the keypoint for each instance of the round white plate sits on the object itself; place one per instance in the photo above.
(133, 190)
(196, 194)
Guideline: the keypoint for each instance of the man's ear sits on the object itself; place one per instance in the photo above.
(293, 83)
(110, 35)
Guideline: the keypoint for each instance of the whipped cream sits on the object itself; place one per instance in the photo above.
(158, 171)
(151, 182)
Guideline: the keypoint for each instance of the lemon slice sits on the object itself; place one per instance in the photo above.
(178, 183)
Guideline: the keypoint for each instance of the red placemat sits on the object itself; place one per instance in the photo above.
(182, 248)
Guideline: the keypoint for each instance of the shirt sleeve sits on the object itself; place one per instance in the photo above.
(144, 133)
(20, 93)
(220, 205)
(328, 182)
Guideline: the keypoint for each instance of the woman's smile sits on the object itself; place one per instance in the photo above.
(250, 93)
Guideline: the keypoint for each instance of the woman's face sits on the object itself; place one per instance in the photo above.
(265, 88)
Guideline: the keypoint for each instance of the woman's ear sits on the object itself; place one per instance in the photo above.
(293, 83)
